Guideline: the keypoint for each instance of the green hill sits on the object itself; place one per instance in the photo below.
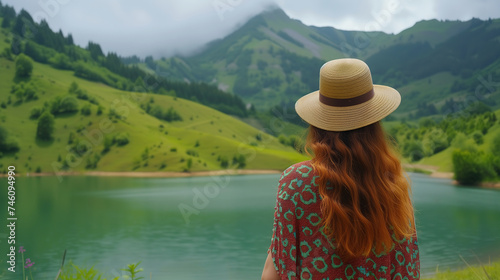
(272, 60)
(204, 136)
(111, 117)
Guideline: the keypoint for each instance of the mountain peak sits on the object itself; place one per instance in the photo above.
(274, 11)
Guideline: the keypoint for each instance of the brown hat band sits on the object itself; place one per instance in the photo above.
(338, 102)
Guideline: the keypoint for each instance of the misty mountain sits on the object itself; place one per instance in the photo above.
(273, 60)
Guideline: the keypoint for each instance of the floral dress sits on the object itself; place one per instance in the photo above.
(300, 249)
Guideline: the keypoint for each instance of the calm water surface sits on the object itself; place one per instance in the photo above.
(111, 222)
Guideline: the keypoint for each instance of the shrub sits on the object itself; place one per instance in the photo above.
(192, 153)
(6, 53)
(189, 164)
(64, 104)
(413, 150)
(100, 110)
(258, 136)
(108, 143)
(24, 66)
(121, 139)
(224, 163)
(156, 111)
(478, 137)
(82, 71)
(80, 147)
(24, 91)
(462, 142)
(494, 162)
(495, 146)
(114, 114)
(283, 140)
(29, 93)
(36, 112)
(85, 110)
(71, 137)
(145, 154)
(469, 168)
(61, 61)
(240, 161)
(7, 145)
(92, 161)
(45, 127)
(73, 87)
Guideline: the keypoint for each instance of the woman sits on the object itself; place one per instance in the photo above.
(345, 214)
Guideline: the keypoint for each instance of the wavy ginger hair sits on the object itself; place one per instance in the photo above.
(365, 196)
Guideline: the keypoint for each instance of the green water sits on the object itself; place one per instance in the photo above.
(111, 222)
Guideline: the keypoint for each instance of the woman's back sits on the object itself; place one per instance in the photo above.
(301, 250)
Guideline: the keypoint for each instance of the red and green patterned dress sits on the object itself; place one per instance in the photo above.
(301, 250)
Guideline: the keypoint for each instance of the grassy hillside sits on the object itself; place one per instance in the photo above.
(203, 137)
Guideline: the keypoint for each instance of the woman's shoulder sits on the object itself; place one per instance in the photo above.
(300, 170)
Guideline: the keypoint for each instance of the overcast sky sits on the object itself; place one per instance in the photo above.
(167, 27)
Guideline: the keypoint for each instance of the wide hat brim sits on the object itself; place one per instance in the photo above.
(332, 118)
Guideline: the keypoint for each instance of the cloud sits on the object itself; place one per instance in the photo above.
(165, 28)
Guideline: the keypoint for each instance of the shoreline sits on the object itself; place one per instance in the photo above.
(415, 168)
(152, 174)
(432, 172)
(428, 169)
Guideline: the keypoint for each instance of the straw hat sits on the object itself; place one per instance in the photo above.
(347, 99)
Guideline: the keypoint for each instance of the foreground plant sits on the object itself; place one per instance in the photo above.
(21, 250)
(132, 269)
(26, 265)
(73, 272)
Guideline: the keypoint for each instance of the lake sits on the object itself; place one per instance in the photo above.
(210, 227)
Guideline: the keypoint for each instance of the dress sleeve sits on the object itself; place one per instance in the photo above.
(283, 244)
(275, 220)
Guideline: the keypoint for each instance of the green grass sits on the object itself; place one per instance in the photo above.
(490, 271)
(441, 160)
(217, 134)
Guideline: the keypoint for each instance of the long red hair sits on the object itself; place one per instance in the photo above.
(365, 196)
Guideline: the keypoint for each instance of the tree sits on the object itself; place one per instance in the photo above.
(24, 66)
(95, 50)
(36, 112)
(61, 61)
(150, 62)
(86, 110)
(495, 145)
(241, 161)
(64, 104)
(121, 139)
(45, 127)
(224, 162)
(413, 150)
(73, 87)
(478, 137)
(469, 168)
(6, 145)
